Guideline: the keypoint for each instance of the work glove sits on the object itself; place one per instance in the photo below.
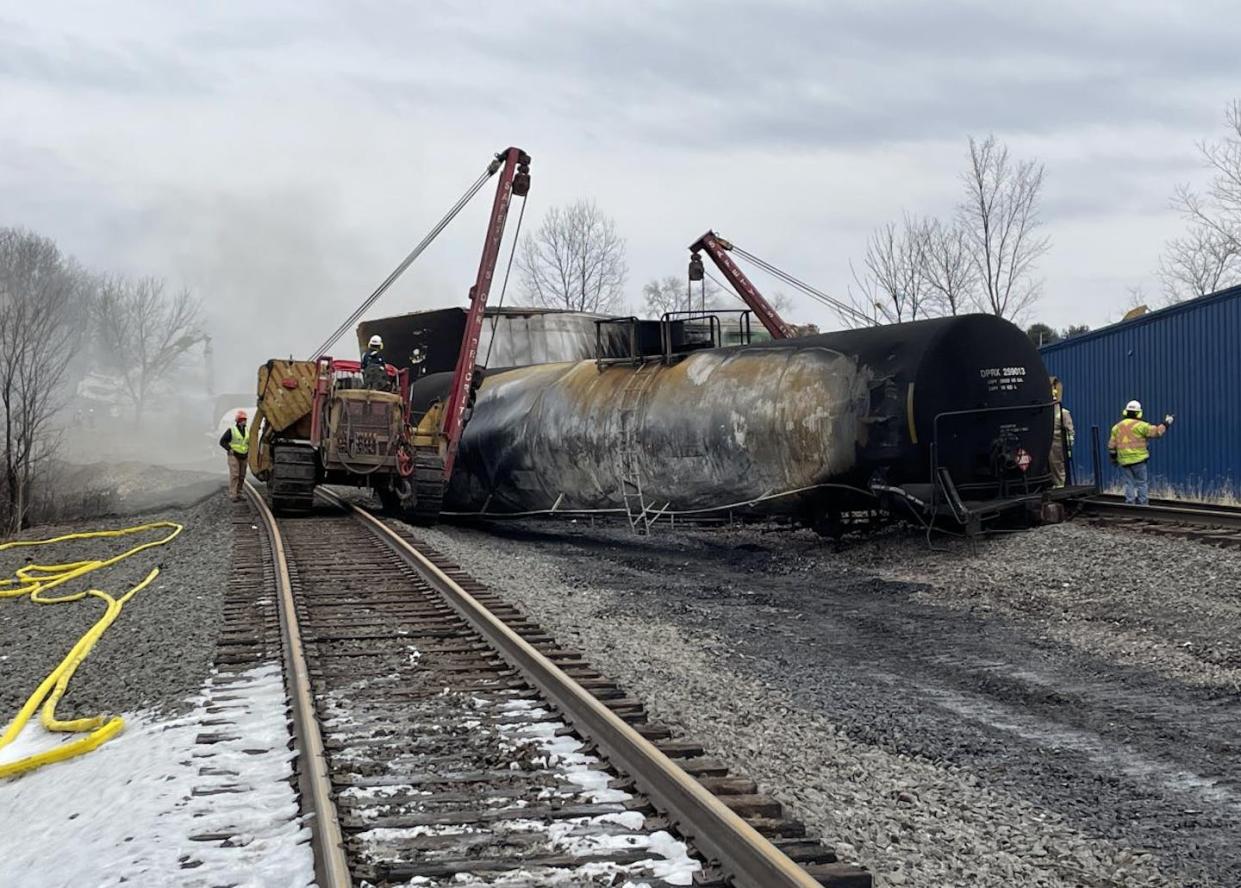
(1167, 420)
(1111, 455)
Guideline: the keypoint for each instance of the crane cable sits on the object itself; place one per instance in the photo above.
(391, 279)
(842, 308)
(35, 580)
(495, 319)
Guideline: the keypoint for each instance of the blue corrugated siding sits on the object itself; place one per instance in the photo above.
(1184, 360)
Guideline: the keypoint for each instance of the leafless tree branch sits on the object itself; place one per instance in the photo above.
(143, 332)
(1208, 256)
(999, 219)
(893, 284)
(39, 292)
(575, 260)
(949, 269)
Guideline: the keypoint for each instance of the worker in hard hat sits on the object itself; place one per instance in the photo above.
(1062, 435)
(374, 353)
(236, 443)
(374, 367)
(1127, 449)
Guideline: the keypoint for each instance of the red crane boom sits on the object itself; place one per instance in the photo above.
(717, 248)
(514, 167)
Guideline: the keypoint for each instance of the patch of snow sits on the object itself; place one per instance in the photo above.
(126, 814)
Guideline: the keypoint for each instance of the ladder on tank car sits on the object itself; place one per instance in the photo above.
(628, 470)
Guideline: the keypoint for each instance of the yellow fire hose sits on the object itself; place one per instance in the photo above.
(36, 580)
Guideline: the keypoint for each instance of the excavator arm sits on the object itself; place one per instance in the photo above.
(717, 248)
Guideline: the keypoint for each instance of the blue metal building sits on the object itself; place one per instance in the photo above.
(1184, 360)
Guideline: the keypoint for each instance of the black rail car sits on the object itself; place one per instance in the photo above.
(944, 417)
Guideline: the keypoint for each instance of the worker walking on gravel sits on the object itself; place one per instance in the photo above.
(236, 442)
(1127, 448)
(1062, 436)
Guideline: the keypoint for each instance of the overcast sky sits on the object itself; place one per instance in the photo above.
(289, 153)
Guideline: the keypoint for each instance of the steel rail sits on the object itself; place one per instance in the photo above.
(715, 830)
(1165, 511)
(327, 839)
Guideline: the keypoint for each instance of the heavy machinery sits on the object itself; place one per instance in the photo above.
(324, 421)
(717, 248)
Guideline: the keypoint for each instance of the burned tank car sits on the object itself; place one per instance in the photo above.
(800, 425)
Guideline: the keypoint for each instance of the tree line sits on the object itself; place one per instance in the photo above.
(58, 322)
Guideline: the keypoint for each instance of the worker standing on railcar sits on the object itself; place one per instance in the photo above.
(236, 443)
(1063, 435)
(1127, 449)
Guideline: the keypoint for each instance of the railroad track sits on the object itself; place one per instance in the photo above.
(442, 735)
(1203, 522)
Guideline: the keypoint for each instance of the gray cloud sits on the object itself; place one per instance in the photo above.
(814, 74)
(298, 148)
(79, 63)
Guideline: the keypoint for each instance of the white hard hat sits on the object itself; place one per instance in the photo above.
(1134, 405)
(376, 341)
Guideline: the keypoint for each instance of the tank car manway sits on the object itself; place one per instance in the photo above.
(440, 734)
(1202, 522)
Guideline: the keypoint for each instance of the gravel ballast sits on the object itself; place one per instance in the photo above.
(1057, 708)
(159, 650)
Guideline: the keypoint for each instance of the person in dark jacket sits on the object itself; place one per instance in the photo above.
(236, 443)
(374, 367)
(374, 353)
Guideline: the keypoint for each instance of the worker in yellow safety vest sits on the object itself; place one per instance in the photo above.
(236, 442)
(1127, 449)
(1063, 435)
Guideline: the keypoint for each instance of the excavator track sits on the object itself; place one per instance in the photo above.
(429, 483)
(293, 474)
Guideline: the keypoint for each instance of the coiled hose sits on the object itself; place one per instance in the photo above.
(36, 580)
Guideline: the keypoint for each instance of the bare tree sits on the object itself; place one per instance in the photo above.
(1208, 256)
(1000, 221)
(673, 294)
(1200, 262)
(893, 285)
(576, 260)
(38, 291)
(144, 332)
(949, 270)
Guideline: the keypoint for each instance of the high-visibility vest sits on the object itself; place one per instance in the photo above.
(239, 442)
(1129, 440)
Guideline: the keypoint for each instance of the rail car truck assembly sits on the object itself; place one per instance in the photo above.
(322, 421)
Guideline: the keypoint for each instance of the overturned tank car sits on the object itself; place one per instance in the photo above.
(943, 418)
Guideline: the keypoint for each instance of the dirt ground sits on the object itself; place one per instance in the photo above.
(1063, 701)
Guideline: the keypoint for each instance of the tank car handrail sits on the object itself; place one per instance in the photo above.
(1008, 407)
(665, 333)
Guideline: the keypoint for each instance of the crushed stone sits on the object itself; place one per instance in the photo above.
(159, 650)
(993, 717)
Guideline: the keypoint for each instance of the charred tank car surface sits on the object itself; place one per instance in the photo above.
(944, 416)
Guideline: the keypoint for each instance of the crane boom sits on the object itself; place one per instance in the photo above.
(514, 167)
(717, 248)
